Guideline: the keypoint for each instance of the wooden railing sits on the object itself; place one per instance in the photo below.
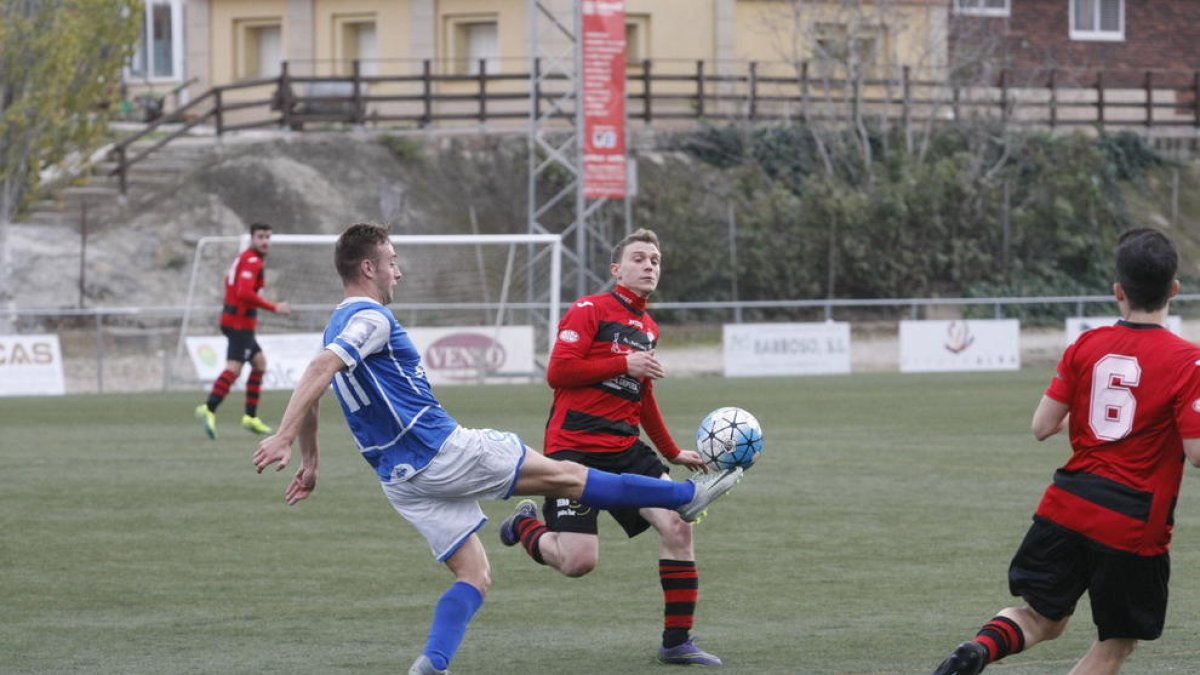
(674, 90)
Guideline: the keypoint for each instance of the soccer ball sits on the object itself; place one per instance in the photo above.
(729, 437)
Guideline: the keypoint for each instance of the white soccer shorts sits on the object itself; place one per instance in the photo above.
(442, 501)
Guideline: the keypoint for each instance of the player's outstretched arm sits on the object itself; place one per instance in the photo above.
(305, 480)
(277, 449)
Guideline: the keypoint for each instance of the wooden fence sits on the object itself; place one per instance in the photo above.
(438, 94)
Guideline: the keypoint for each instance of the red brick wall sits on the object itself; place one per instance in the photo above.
(1159, 35)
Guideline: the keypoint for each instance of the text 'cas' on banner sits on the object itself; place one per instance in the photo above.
(31, 365)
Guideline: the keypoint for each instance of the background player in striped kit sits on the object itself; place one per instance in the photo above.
(602, 370)
(432, 470)
(1130, 394)
(239, 320)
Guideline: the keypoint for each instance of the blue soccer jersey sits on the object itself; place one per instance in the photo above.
(396, 421)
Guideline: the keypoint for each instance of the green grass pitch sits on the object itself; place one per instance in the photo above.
(872, 537)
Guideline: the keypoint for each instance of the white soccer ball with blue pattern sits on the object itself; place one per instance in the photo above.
(729, 437)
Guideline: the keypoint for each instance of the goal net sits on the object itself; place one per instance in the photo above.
(493, 285)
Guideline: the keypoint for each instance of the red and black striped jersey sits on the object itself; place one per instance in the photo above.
(1134, 394)
(242, 284)
(598, 407)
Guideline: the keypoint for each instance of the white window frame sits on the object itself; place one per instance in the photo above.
(244, 31)
(146, 40)
(344, 52)
(462, 62)
(977, 8)
(1098, 35)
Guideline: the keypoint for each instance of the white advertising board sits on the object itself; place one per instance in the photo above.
(936, 346)
(31, 365)
(476, 354)
(765, 349)
(1076, 325)
(449, 355)
(288, 355)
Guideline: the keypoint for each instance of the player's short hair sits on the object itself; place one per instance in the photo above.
(255, 227)
(640, 234)
(1146, 266)
(359, 242)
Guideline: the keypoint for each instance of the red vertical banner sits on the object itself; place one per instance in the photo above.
(603, 90)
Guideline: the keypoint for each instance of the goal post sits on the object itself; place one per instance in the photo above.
(495, 281)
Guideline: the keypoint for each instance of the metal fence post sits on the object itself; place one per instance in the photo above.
(99, 353)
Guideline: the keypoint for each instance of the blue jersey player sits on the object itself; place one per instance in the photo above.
(432, 470)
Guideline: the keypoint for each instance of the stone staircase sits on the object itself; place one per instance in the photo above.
(99, 192)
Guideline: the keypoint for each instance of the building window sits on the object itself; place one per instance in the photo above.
(472, 40)
(637, 41)
(983, 7)
(159, 51)
(1098, 20)
(260, 48)
(355, 39)
(838, 52)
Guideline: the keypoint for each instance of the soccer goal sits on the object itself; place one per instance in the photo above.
(496, 283)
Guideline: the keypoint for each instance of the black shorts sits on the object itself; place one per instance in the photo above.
(567, 515)
(242, 344)
(1054, 566)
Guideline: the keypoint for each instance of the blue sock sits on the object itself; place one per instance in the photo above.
(605, 490)
(450, 618)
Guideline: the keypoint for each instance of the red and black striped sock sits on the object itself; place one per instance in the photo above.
(220, 389)
(529, 532)
(681, 588)
(253, 389)
(1002, 637)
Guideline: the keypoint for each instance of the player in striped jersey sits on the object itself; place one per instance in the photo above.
(603, 369)
(1130, 396)
(432, 470)
(239, 320)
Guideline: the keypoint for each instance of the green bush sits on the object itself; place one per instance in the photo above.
(1024, 214)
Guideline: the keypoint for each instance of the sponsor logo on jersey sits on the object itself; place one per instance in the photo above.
(568, 336)
(1196, 405)
(584, 303)
(358, 331)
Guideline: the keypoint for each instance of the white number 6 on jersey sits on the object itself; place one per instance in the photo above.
(1113, 404)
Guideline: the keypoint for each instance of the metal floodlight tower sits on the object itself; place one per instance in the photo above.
(556, 145)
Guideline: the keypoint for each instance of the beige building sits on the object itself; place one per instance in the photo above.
(198, 44)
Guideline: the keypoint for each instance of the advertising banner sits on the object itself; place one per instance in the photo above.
(449, 355)
(31, 365)
(767, 349)
(984, 344)
(288, 355)
(476, 355)
(1076, 325)
(602, 80)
